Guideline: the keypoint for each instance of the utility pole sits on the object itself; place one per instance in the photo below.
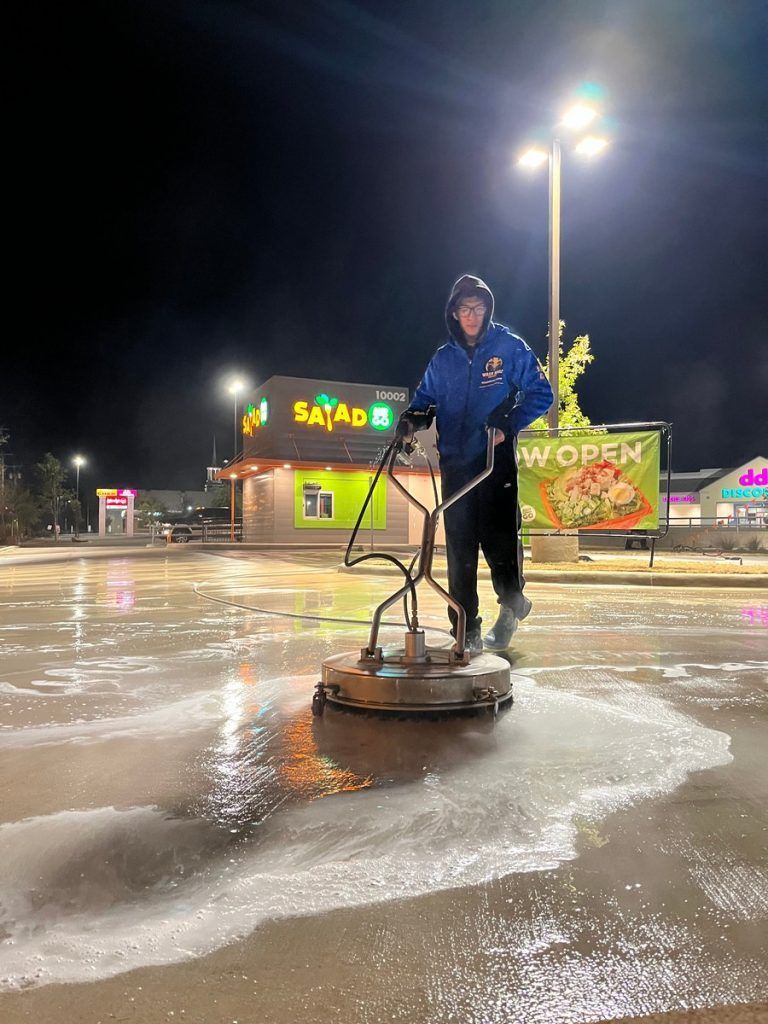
(4, 435)
(553, 416)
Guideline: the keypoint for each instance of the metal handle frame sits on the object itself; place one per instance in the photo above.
(427, 552)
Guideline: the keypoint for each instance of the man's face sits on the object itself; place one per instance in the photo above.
(470, 313)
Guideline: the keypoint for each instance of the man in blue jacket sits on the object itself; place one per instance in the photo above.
(483, 378)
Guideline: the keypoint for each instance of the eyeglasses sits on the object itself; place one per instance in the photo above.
(472, 310)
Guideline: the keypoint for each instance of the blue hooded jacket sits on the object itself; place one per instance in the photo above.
(497, 382)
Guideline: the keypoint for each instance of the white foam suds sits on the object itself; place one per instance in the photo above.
(164, 720)
(89, 894)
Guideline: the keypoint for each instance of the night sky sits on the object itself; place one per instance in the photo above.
(291, 188)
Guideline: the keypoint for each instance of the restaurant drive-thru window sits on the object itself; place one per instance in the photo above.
(309, 446)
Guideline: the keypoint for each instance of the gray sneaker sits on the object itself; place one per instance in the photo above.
(501, 632)
(474, 641)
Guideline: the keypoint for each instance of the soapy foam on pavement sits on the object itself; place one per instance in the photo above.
(162, 888)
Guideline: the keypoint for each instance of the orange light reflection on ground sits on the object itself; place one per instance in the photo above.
(312, 774)
(247, 678)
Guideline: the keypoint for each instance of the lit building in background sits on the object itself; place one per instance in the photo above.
(721, 497)
(306, 464)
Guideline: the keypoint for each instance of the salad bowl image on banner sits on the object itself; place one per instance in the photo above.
(598, 496)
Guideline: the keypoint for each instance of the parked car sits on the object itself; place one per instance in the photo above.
(194, 525)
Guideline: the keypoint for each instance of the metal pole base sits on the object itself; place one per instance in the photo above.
(394, 682)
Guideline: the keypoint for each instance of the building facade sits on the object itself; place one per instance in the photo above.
(310, 449)
(721, 497)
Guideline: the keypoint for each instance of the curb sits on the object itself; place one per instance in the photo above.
(755, 581)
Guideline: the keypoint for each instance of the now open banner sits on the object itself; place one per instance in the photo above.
(590, 481)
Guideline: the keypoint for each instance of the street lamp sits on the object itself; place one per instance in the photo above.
(590, 145)
(235, 387)
(578, 116)
(78, 461)
(575, 119)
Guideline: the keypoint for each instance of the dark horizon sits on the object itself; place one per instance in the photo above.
(215, 188)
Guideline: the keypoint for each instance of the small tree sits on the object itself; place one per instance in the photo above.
(219, 496)
(572, 365)
(50, 475)
(21, 510)
(145, 511)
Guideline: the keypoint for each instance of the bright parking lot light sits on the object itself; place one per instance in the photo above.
(578, 117)
(533, 158)
(591, 145)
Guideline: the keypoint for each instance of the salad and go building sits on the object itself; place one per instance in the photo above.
(310, 451)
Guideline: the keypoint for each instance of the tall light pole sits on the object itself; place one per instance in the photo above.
(575, 119)
(553, 416)
(78, 461)
(235, 387)
(232, 498)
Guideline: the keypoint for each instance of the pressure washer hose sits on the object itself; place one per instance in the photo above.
(311, 618)
(393, 448)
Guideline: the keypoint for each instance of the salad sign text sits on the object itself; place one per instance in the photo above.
(586, 483)
(328, 412)
(255, 416)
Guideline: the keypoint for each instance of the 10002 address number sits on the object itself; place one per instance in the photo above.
(393, 396)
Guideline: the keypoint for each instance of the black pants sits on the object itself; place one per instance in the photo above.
(488, 518)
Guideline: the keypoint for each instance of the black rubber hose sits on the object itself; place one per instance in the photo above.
(380, 554)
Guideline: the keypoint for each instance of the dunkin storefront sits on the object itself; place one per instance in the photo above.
(721, 497)
(306, 465)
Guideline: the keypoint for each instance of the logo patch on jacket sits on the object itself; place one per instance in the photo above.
(493, 373)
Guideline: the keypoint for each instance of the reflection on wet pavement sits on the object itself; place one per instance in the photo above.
(170, 790)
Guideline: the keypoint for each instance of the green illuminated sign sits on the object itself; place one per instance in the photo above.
(381, 416)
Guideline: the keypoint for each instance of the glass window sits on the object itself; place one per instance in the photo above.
(310, 504)
(325, 506)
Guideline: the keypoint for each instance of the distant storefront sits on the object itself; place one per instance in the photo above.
(310, 448)
(721, 497)
(116, 510)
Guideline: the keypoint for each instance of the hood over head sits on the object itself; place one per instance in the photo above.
(467, 287)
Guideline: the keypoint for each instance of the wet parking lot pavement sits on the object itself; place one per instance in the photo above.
(182, 840)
